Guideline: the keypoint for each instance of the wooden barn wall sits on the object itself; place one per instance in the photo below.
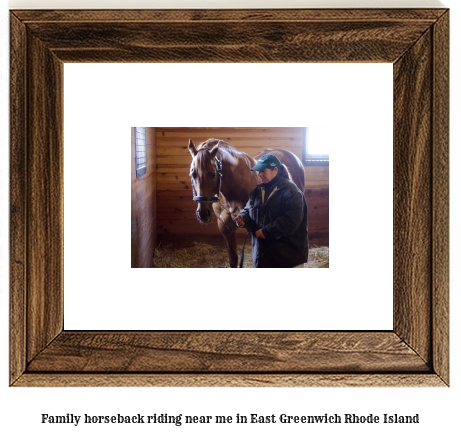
(143, 205)
(176, 220)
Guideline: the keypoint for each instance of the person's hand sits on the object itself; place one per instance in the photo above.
(260, 234)
(239, 221)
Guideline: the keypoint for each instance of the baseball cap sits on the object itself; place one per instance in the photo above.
(266, 161)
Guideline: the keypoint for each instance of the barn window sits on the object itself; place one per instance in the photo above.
(316, 149)
(141, 159)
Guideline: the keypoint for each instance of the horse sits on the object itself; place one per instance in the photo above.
(222, 180)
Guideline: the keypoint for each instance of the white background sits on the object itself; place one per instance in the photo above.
(438, 408)
(354, 100)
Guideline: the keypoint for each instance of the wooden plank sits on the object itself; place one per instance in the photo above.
(238, 143)
(317, 212)
(45, 206)
(316, 181)
(316, 193)
(317, 184)
(150, 177)
(184, 224)
(134, 230)
(151, 137)
(173, 177)
(18, 207)
(166, 131)
(228, 41)
(174, 160)
(230, 380)
(321, 227)
(196, 231)
(227, 133)
(180, 186)
(248, 147)
(177, 195)
(151, 153)
(185, 352)
(318, 202)
(183, 15)
(173, 167)
(319, 239)
(164, 211)
(316, 170)
(440, 198)
(235, 141)
(413, 196)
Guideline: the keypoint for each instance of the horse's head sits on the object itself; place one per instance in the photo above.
(205, 178)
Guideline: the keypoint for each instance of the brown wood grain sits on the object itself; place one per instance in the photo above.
(229, 134)
(159, 36)
(440, 196)
(414, 354)
(227, 351)
(413, 196)
(230, 380)
(227, 41)
(18, 207)
(44, 197)
(429, 16)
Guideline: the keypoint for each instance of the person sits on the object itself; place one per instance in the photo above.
(276, 213)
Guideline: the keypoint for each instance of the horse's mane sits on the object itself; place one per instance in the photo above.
(211, 142)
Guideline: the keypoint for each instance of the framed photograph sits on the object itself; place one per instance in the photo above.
(414, 353)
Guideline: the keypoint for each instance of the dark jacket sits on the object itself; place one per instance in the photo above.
(283, 220)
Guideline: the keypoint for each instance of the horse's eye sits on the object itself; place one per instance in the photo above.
(213, 175)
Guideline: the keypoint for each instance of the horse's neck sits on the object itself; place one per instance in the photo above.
(237, 181)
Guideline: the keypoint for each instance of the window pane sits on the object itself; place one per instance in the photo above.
(317, 146)
(140, 138)
(318, 140)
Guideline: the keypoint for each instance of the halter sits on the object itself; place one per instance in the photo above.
(204, 198)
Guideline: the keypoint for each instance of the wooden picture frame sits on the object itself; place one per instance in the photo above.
(414, 353)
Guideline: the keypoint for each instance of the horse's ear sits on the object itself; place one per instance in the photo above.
(214, 150)
(192, 149)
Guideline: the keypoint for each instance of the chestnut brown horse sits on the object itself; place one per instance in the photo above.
(222, 181)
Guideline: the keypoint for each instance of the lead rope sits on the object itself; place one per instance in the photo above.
(243, 250)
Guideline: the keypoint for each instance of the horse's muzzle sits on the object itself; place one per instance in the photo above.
(204, 215)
